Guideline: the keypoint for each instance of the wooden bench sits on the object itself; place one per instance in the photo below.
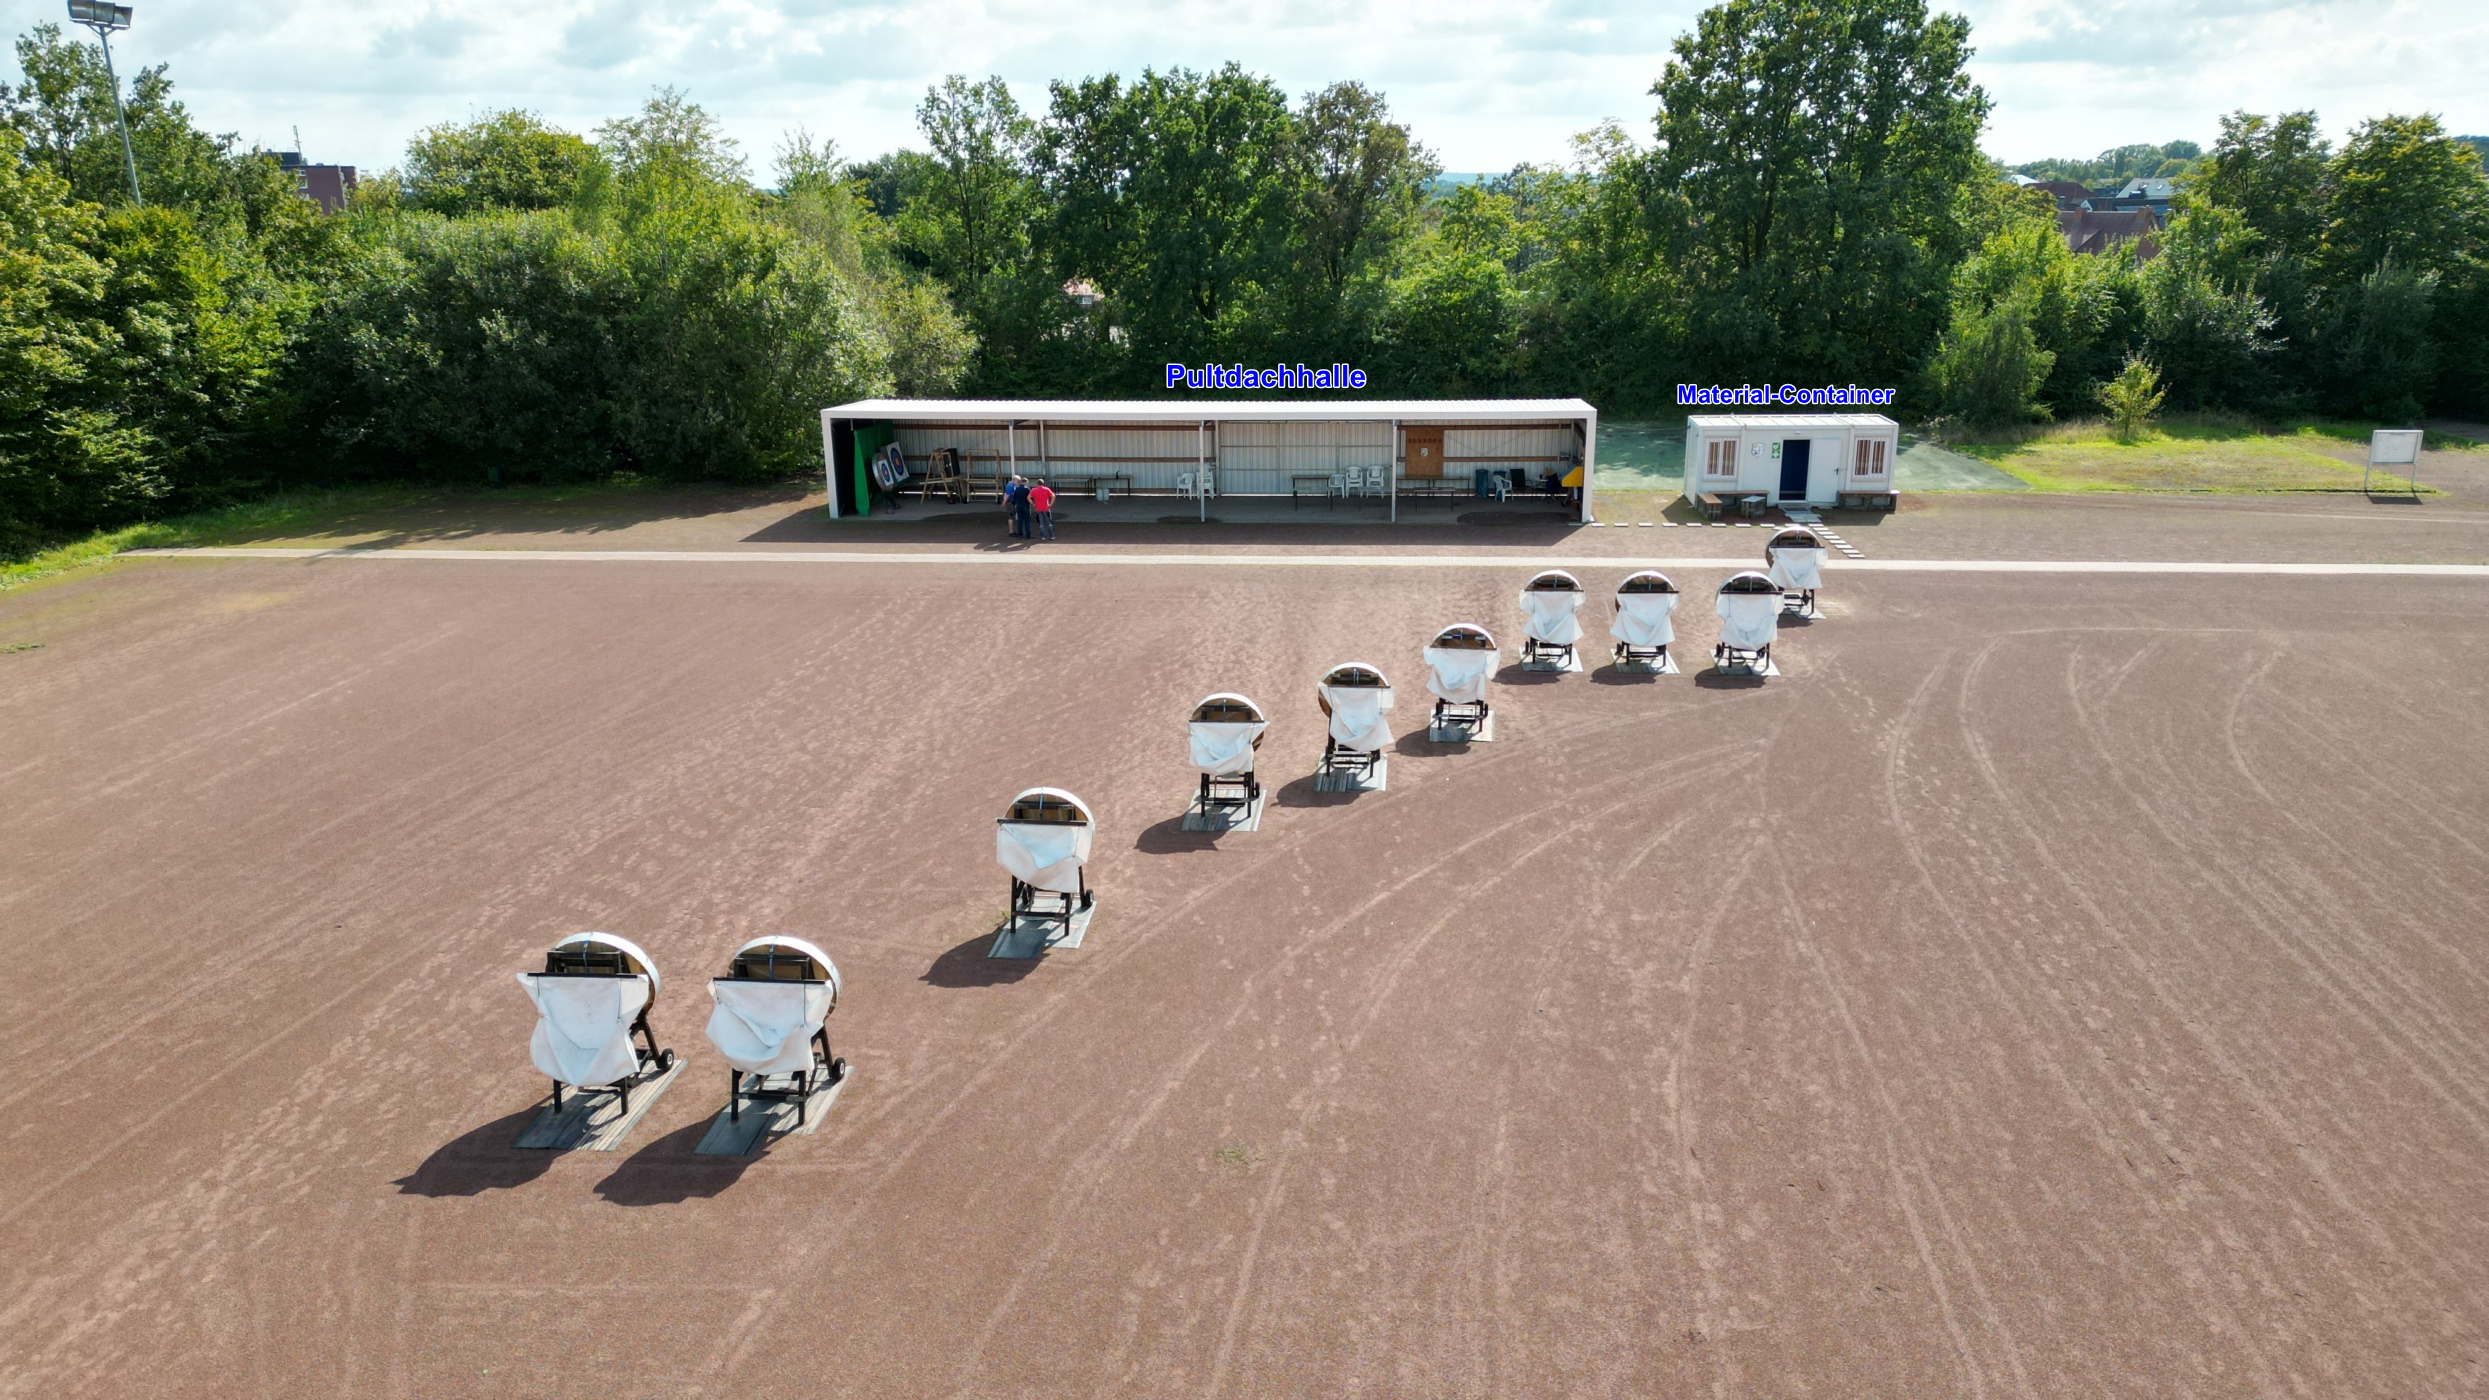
(1709, 505)
(1869, 500)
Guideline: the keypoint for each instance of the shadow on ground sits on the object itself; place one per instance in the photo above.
(1613, 674)
(1711, 679)
(968, 966)
(1516, 674)
(1169, 838)
(1301, 793)
(481, 1160)
(667, 1171)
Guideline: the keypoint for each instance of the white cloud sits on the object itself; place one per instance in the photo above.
(1484, 84)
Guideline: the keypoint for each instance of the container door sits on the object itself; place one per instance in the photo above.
(1795, 454)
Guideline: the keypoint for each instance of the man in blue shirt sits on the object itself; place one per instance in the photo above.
(1015, 504)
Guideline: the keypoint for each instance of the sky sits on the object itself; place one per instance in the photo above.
(1484, 85)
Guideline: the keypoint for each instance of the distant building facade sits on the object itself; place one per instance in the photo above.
(328, 186)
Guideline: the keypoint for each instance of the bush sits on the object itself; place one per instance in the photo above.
(2132, 397)
(1988, 369)
(2210, 344)
(2378, 345)
(685, 339)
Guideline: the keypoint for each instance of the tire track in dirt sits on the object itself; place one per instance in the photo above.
(1085, 1176)
(2033, 1012)
(2189, 1018)
(1240, 1291)
(2355, 995)
(721, 1365)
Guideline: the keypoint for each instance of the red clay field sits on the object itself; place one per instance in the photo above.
(2051, 985)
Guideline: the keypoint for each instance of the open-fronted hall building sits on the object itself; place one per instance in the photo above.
(1385, 454)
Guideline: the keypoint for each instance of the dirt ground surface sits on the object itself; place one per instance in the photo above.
(2051, 985)
(2451, 527)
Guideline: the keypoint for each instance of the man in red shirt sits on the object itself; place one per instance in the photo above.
(1041, 500)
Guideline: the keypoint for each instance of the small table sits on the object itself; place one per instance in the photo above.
(1313, 483)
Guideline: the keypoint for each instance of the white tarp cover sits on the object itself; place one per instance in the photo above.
(1459, 674)
(1357, 715)
(1645, 619)
(1551, 617)
(583, 1027)
(1045, 854)
(1749, 621)
(1224, 748)
(766, 1027)
(1797, 568)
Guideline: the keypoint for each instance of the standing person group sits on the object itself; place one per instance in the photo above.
(1030, 505)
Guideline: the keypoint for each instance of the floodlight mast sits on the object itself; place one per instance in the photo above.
(108, 19)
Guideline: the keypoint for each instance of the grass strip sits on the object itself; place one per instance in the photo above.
(2192, 455)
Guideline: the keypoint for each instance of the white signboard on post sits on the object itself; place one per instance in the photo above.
(2393, 447)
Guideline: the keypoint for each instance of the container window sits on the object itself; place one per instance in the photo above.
(1870, 457)
(1720, 459)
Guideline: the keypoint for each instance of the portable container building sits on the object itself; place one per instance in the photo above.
(1818, 459)
(1280, 447)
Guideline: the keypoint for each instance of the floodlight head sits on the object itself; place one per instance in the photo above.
(100, 15)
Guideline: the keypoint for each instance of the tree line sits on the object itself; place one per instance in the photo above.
(1809, 204)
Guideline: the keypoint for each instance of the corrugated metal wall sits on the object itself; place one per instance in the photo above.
(1533, 450)
(1152, 455)
(1253, 458)
(1258, 458)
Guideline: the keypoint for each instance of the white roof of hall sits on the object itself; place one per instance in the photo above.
(1202, 410)
(1791, 420)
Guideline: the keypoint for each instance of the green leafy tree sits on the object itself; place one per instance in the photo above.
(1988, 368)
(2132, 397)
(1175, 195)
(69, 456)
(1815, 147)
(1452, 324)
(64, 112)
(970, 217)
(2082, 311)
(1603, 306)
(502, 160)
(1362, 182)
(2380, 353)
(2213, 345)
(2121, 163)
(2402, 191)
(2271, 172)
(889, 182)
(672, 139)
